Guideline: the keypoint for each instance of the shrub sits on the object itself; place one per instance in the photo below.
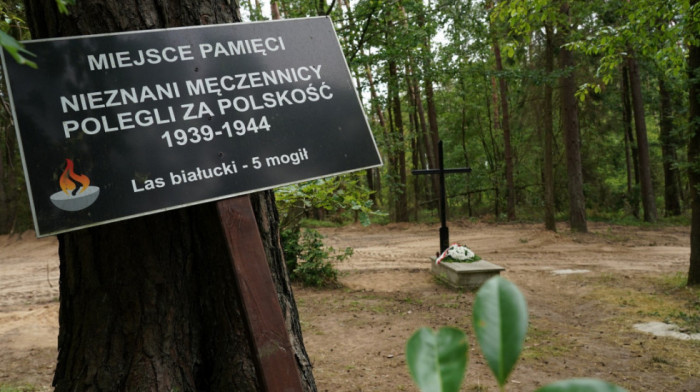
(309, 260)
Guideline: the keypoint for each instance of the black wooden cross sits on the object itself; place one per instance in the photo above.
(444, 231)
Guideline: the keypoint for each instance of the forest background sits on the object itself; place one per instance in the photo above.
(564, 110)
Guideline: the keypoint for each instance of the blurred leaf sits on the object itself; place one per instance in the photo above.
(437, 362)
(16, 49)
(500, 323)
(63, 5)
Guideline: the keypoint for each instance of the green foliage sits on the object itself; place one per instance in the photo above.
(689, 322)
(437, 361)
(63, 5)
(343, 197)
(448, 45)
(15, 214)
(473, 259)
(16, 50)
(500, 322)
(11, 20)
(12, 29)
(308, 260)
(291, 247)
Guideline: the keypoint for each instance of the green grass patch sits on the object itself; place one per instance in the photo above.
(412, 301)
(18, 388)
(655, 298)
(624, 219)
(541, 343)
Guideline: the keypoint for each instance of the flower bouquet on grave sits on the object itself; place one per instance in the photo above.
(457, 253)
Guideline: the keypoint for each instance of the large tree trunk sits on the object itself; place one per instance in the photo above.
(672, 192)
(648, 199)
(694, 150)
(151, 304)
(572, 138)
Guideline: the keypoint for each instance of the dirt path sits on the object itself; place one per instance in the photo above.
(581, 325)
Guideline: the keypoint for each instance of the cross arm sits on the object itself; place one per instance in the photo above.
(445, 171)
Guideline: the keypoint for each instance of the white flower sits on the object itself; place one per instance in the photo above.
(457, 252)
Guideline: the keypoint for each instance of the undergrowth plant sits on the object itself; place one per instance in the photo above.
(341, 197)
(309, 260)
(438, 360)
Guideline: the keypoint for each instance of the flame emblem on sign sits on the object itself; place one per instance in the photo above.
(72, 197)
(67, 185)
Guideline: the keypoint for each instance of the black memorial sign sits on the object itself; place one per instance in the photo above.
(117, 126)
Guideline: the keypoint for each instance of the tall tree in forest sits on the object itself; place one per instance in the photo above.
(648, 198)
(672, 199)
(526, 17)
(373, 177)
(693, 38)
(633, 34)
(398, 151)
(570, 123)
(548, 164)
(631, 155)
(428, 72)
(505, 126)
(427, 135)
(151, 303)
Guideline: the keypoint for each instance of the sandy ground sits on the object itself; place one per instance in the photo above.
(581, 324)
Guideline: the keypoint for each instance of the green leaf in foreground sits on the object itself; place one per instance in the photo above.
(581, 385)
(437, 361)
(16, 49)
(63, 5)
(500, 324)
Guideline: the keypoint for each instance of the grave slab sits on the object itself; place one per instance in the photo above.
(465, 276)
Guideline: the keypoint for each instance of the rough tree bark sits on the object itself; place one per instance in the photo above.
(151, 304)
(572, 138)
(694, 148)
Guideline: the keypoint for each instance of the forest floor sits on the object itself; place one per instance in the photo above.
(581, 322)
